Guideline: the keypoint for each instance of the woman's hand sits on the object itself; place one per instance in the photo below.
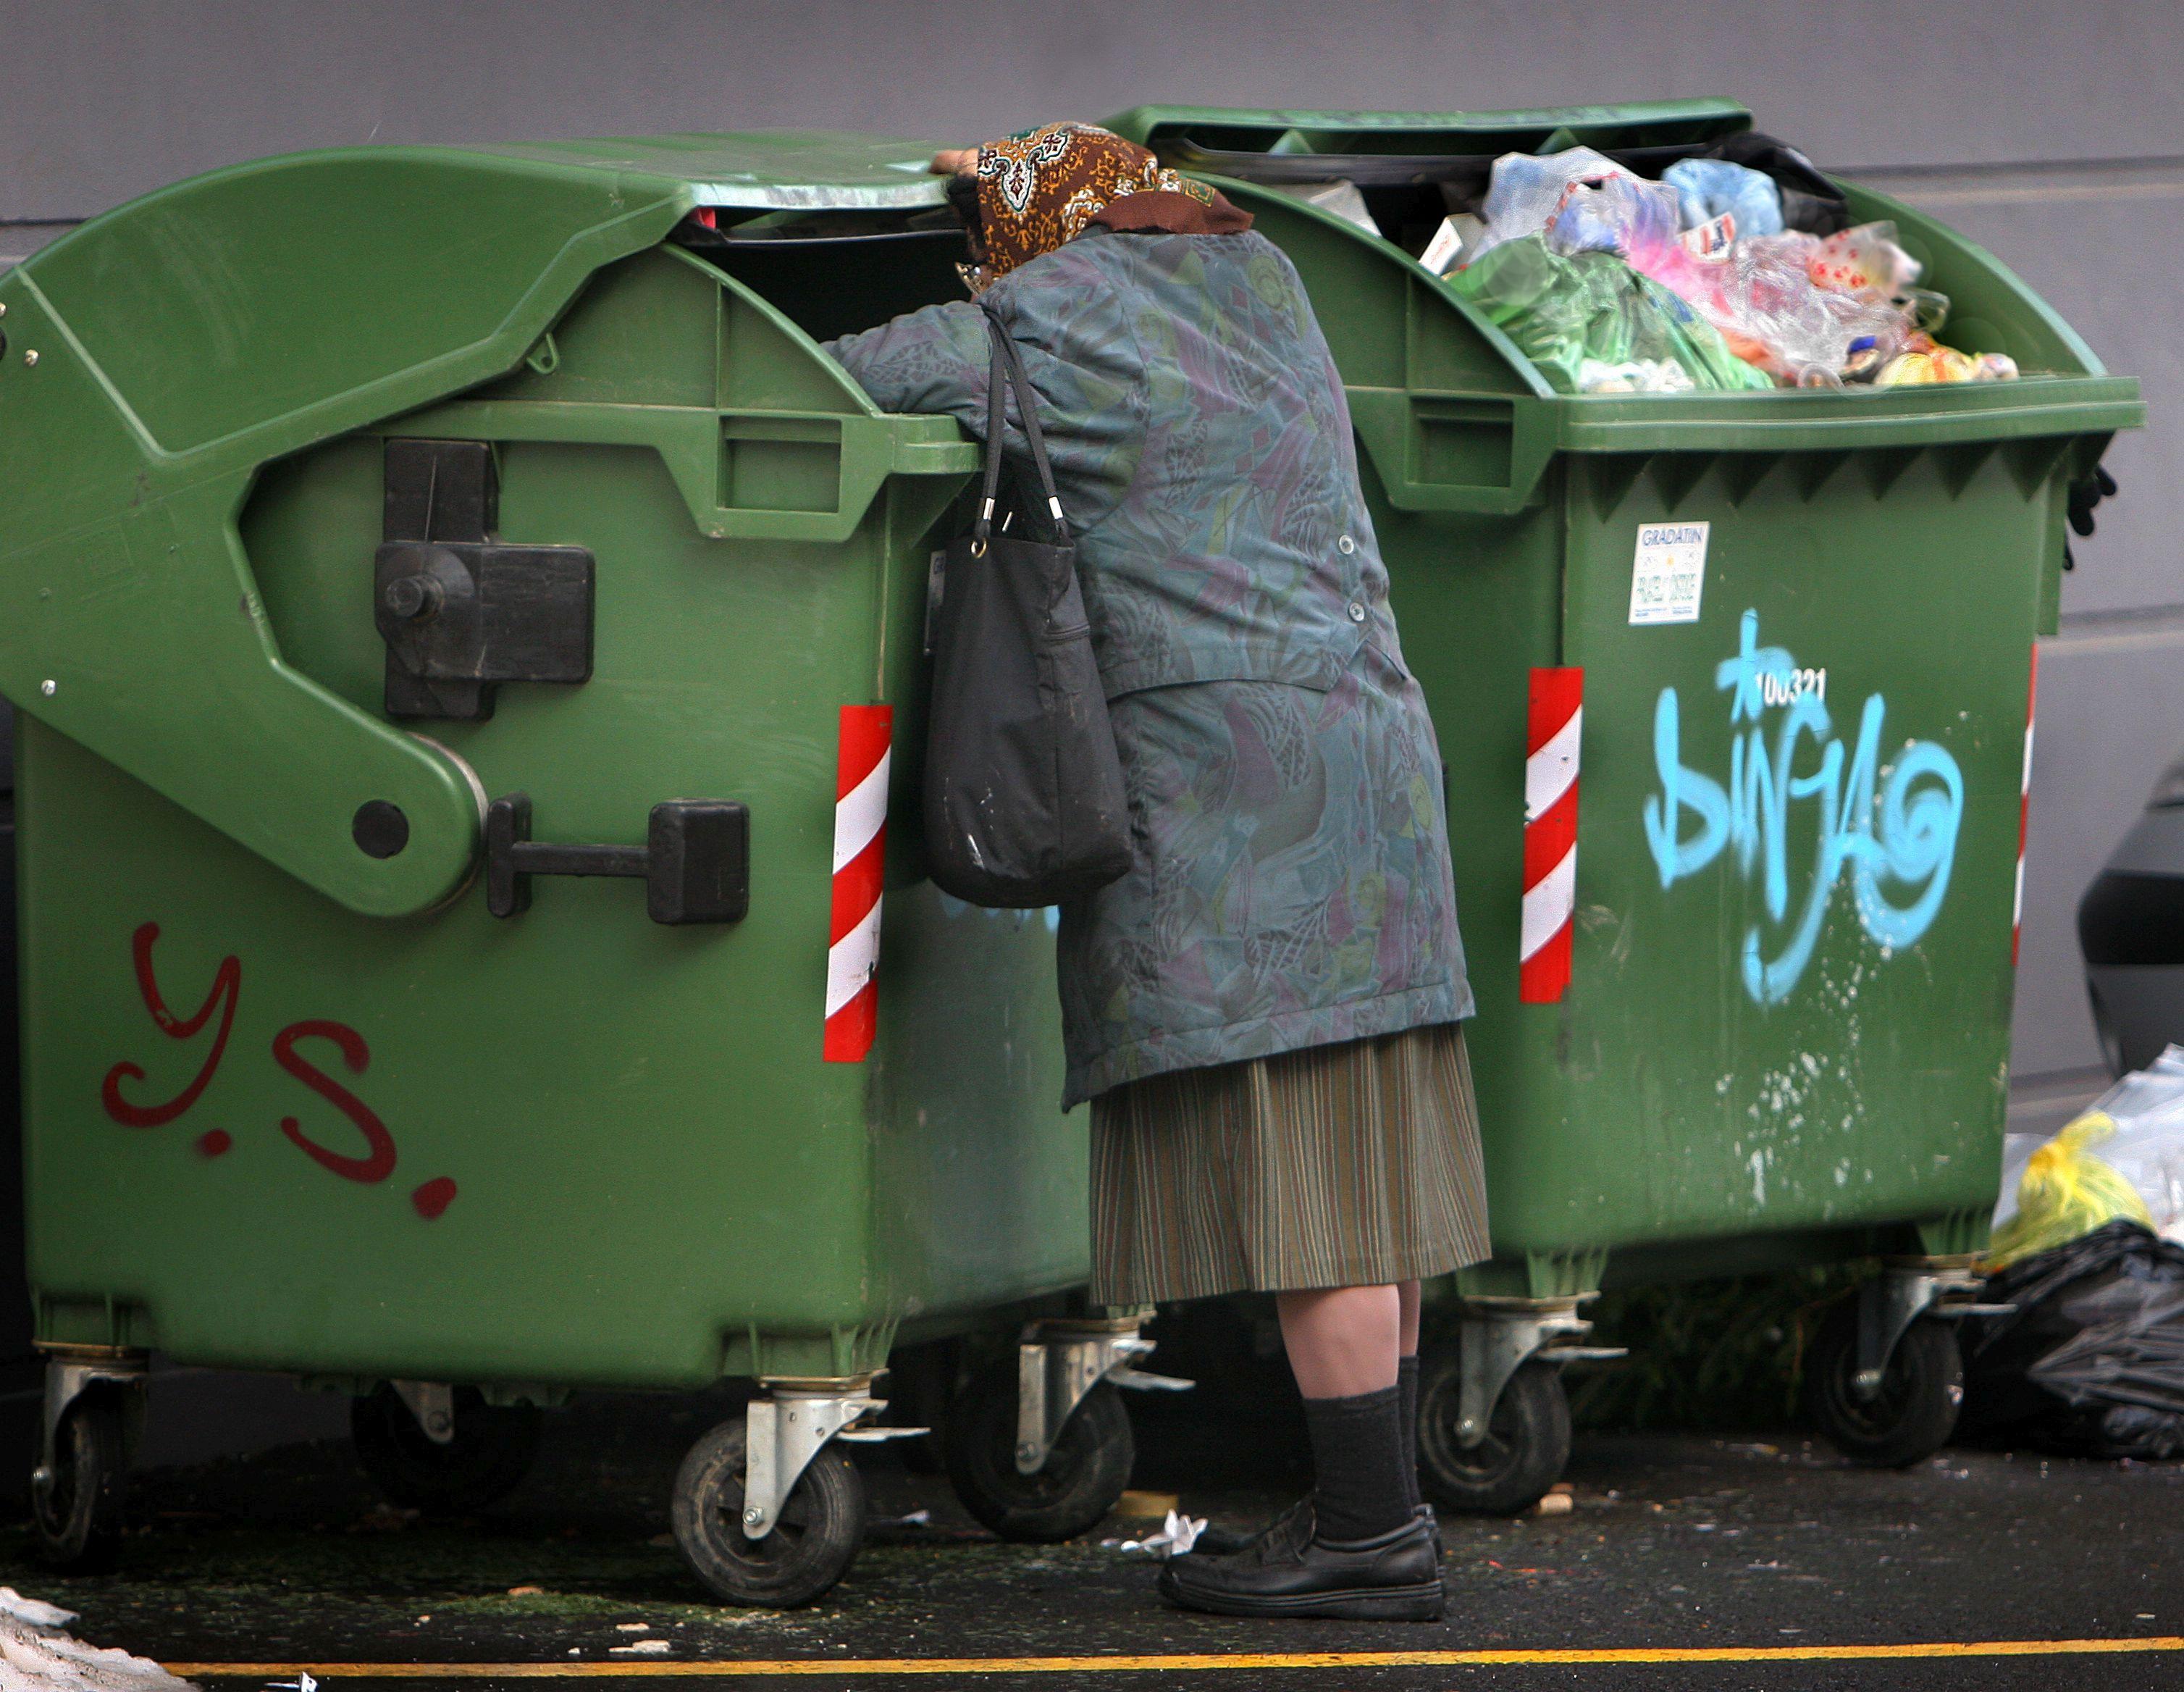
(954, 161)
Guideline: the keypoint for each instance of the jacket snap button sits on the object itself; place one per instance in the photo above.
(1346, 545)
(1356, 612)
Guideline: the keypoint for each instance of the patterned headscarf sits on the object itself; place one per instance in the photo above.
(1047, 185)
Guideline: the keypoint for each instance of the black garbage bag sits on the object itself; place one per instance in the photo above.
(2090, 1363)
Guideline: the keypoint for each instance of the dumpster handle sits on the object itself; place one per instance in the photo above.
(695, 862)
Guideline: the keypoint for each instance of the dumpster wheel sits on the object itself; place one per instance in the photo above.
(813, 1542)
(78, 1505)
(1527, 1443)
(1914, 1410)
(489, 1450)
(1082, 1479)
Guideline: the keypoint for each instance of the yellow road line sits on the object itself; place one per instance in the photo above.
(867, 1667)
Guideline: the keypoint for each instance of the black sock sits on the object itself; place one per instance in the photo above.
(1357, 1453)
(1406, 1382)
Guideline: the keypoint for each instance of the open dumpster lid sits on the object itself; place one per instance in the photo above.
(1387, 148)
(777, 171)
(162, 353)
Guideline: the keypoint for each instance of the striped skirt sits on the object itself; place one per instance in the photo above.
(1353, 1164)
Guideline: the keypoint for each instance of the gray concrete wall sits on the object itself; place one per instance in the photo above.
(1943, 105)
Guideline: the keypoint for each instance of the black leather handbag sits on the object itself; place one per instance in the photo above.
(1023, 788)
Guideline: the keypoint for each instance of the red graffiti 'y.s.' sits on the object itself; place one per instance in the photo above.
(379, 1162)
(226, 988)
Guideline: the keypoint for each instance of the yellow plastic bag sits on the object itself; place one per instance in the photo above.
(2065, 1193)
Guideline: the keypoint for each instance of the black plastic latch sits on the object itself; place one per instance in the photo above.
(695, 862)
(460, 611)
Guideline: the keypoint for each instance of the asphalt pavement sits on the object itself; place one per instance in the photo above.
(1684, 1561)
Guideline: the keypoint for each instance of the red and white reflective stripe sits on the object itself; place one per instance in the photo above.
(2023, 810)
(1554, 723)
(852, 939)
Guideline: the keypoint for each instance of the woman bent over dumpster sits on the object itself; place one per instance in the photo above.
(1265, 1010)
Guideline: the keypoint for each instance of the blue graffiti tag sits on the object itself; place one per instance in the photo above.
(1905, 844)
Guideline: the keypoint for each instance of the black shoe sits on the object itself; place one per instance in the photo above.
(1393, 1577)
(1223, 1542)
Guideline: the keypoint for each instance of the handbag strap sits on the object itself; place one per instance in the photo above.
(1008, 371)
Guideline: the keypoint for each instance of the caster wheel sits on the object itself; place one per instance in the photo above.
(1085, 1472)
(811, 1545)
(77, 1508)
(1527, 1443)
(493, 1448)
(1915, 1410)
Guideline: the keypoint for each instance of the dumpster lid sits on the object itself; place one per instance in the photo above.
(776, 170)
(1387, 148)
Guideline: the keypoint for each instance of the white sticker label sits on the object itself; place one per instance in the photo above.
(1669, 574)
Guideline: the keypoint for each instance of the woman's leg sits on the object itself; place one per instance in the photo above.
(1342, 1341)
(1343, 1345)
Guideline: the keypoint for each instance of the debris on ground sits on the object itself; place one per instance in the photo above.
(36, 1655)
(641, 1647)
(1176, 1537)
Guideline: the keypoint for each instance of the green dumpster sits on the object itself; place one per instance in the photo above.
(1763, 662)
(404, 550)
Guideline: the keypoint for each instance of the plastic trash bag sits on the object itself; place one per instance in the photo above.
(2091, 1361)
(1708, 189)
(1759, 293)
(1590, 318)
(1526, 190)
(2067, 1191)
(1619, 214)
(2145, 1145)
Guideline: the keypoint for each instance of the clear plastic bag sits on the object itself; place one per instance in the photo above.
(1760, 294)
(1526, 190)
(1620, 215)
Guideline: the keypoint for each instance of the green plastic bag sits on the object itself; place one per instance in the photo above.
(2065, 1193)
(1593, 325)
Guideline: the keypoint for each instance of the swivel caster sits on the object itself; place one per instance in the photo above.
(1521, 1453)
(1494, 1423)
(78, 1492)
(441, 1450)
(768, 1510)
(1039, 1446)
(1886, 1379)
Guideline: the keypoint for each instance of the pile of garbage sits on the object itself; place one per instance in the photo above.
(2086, 1352)
(1728, 273)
